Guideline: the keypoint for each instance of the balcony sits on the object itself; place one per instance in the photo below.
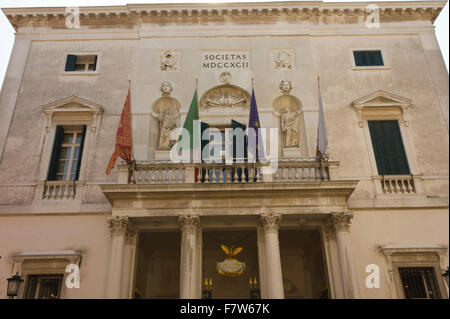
(218, 173)
(297, 186)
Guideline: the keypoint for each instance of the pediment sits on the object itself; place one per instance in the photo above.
(381, 99)
(72, 104)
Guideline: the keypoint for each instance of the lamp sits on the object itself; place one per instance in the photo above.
(13, 285)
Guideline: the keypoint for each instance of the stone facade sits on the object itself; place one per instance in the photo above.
(361, 218)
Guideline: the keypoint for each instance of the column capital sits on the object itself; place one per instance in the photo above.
(131, 235)
(118, 226)
(189, 223)
(340, 221)
(270, 222)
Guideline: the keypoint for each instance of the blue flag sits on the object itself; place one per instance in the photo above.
(254, 140)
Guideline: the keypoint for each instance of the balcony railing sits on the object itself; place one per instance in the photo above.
(59, 190)
(175, 173)
(397, 184)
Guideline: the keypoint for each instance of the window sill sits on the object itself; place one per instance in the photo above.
(359, 68)
(80, 73)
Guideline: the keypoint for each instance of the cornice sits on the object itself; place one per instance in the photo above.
(270, 12)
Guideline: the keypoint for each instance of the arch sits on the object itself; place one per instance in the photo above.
(225, 96)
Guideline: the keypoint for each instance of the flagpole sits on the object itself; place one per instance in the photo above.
(322, 168)
(133, 167)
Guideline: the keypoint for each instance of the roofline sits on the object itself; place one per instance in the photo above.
(273, 8)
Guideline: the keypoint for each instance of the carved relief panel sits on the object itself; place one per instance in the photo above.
(282, 59)
(168, 60)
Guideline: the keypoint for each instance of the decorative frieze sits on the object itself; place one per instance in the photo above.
(270, 223)
(188, 223)
(134, 15)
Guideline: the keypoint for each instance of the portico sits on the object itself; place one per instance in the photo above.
(287, 230)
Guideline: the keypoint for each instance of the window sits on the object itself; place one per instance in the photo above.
(368, 58)
(81, 63)
(67, 153)
(419, 282)
(43, 286)
(388, 148)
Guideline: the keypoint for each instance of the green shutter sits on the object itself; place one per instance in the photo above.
(235, 125)
(203, 127)
(388, 148)
(368, 58)
(55, 153)
(204, 143)
(71, 62)
(80, 154)
(95, 63)
(378, 58)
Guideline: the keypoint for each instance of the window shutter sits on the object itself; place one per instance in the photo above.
(203, 127)
(368, 58)
(378, 59)
(388, 148)
(235, 125)
(55, 153)
(70, 62)
(358, 59)
(95, 63)
(80, 154)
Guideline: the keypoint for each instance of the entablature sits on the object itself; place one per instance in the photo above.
(271, 12)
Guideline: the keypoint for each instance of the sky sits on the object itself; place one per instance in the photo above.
(7, 32)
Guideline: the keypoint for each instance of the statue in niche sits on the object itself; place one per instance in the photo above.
(289, 127)
(167, 112)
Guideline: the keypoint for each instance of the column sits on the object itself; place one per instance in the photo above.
(129, 258)
(332, 262)
(341, 225)
(270, 225)
(189, 226)
(262, 262)
(118, 228)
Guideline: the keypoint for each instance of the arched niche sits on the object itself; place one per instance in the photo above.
(291, 126)
(165, 116)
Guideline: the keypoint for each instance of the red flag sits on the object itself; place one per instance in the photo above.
(123, 137)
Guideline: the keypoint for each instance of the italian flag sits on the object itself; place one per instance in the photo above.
(192, 143)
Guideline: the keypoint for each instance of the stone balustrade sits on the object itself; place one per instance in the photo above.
(59, 190)
(397, 184)
(175, 173)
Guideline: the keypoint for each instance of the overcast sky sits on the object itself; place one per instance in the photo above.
(7, 32)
